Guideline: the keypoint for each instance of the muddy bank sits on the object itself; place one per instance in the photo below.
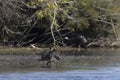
(29, 57)
(35, 51)
(68, 59)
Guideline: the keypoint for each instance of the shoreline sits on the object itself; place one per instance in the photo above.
(35, 51)
(68, 57)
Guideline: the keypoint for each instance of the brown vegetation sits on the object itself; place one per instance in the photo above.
(43, 22)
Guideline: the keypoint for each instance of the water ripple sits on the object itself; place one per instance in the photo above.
(110, 73)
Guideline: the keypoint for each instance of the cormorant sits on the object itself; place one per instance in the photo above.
(49, 55)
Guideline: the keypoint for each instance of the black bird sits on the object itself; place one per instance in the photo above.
(48, 56)
(76, 40)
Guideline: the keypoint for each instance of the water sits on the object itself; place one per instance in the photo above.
(110, 73)
(104, 66)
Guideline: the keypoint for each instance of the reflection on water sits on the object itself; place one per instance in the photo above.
(98, 64)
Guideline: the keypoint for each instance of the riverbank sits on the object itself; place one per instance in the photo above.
(59, 50)
(26, 57)
(29, 57)
(27, 50)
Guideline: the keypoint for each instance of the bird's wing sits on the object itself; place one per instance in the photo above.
(56, 57)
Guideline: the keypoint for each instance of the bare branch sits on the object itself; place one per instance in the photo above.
(52, 26)
(114, 30)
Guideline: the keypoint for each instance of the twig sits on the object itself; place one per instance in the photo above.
(52, 26)
(113, 26)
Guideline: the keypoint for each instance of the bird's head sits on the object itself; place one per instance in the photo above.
(83, 39)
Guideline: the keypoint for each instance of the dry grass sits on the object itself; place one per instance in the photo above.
(27, 50)
(22, 50)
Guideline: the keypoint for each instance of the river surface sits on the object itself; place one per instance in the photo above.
(101, 65)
